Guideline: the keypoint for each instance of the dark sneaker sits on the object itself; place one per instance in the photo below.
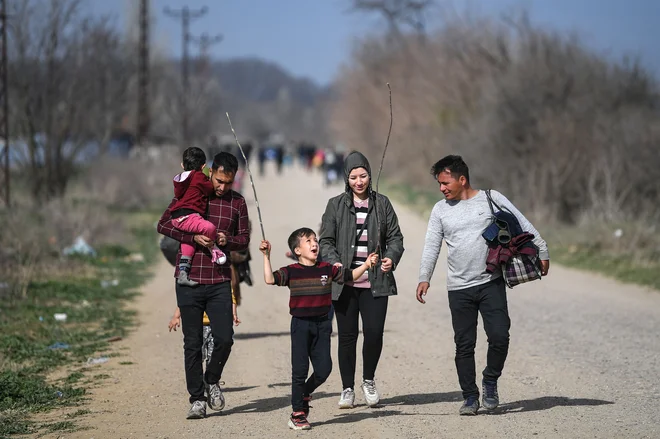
(298, 421)
(197, 410)
(215, 397)
(306, 406)
(490, 398)
(470, 406)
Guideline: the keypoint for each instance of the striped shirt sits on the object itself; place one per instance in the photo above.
(361, 243)
(310, 286)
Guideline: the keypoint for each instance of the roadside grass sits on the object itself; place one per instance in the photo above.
(34, 344)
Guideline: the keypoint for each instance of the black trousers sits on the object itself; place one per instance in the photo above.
(216, 301)
(310, 340)
(354, 302)
(465, 304)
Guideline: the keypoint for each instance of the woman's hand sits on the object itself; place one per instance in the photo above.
(386, 265)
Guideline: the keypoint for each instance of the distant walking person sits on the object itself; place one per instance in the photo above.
(459, 220)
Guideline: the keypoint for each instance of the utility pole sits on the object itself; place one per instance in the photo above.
(143, 119)
(205, 42)
(185, 15)
(4, 109)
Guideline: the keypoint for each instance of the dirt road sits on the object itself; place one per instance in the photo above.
(584, 358)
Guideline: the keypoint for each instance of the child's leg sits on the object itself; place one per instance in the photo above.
(197, 225)
(299, 361)
(185, 262)
(187, 253)
(319, 353)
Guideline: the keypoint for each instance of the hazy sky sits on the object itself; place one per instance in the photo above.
(313, 37)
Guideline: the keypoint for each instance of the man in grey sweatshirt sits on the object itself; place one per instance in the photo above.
(459, 220)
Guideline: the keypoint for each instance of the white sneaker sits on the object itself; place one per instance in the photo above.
(197, 410)
(347, 399)
(370, 392)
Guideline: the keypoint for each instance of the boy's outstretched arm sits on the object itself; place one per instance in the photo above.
(372, 259)
(264, 248)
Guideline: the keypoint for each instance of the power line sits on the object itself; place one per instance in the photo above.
(143, 119)
(204, 42)
(185, 15)
(4, 97)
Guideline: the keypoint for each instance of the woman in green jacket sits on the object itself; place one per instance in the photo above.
(355, 224)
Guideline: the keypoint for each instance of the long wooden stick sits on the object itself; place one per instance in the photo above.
(247, 165)
(387, 142)
(380, 170)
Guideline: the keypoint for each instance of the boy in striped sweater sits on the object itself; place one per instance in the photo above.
(310, 284)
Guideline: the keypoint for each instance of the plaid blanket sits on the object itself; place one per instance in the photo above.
(521, 268)
(519, 260)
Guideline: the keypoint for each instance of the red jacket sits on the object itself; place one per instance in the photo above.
(192, 190)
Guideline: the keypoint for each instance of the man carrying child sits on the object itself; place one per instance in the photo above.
(228, 211)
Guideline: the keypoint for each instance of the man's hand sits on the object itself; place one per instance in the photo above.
(545, 266)
(222, 239)
(422, 288)
(174, 323)
(204, 241)
(338, 264)
(386, 265)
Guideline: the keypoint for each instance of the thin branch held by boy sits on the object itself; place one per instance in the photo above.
(247, 166)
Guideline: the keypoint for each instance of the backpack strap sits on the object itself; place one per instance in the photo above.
(492, 203)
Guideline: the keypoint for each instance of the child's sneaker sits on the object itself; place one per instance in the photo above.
(215, 398)
(298, 421)
(218, 256)
(306, 406)
(184, 280)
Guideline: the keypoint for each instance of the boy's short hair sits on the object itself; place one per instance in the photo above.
(193, 159)
(294, 238)
(452, 163)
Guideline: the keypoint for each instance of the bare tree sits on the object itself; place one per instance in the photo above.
(397, 13)
(68, 79)
(567, 133)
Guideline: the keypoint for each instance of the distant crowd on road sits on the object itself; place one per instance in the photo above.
(328, 161)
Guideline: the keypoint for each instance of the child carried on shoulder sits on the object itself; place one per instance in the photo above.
(192, 188)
